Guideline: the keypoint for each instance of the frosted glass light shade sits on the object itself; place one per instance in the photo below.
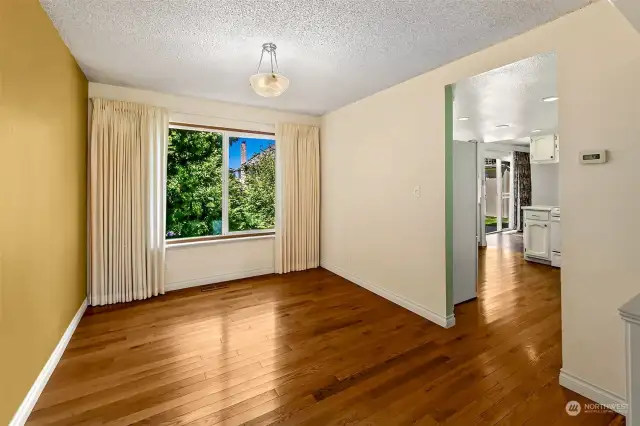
(269, 84)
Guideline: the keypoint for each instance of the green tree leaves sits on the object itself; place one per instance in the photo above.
(194, 183)
(252, 203)
(194, 187)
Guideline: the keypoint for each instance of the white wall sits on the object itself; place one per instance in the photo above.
(545, 184)
(208, 262)
(375, 151)
(211, 262)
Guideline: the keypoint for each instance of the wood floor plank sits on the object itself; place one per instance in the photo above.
(312, 348)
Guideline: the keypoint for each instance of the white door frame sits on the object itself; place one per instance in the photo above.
(482, 196)
(498, 195)
(511, 213)
(500, 156)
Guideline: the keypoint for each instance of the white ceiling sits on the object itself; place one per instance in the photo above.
(508, 95)
(334, 51)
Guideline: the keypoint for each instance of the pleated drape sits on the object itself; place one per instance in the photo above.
(127, 178)
(521, 185)
(298, 210)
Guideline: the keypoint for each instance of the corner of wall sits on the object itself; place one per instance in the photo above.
(448, 141)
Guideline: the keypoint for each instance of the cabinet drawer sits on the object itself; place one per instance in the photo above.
(536, 215)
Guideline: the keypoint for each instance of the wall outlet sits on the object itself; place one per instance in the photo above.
(416, 191)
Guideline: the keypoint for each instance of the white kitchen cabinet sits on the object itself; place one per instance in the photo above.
(544, 149)
(542, 237)
(537, 239)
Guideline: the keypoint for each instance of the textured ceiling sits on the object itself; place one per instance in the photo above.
(334, 51)
(508, 95)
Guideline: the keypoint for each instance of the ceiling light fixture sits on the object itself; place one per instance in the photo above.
(463, 118)
(536, 131)
(269, 84)
(502, 126)
(550, 99)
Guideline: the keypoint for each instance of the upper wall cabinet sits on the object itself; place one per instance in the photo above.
(545, 149)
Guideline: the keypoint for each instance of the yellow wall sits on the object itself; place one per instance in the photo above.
(43, 128)
(375, 151)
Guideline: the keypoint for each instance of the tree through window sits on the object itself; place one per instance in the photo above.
(252, 184)
(198, 204)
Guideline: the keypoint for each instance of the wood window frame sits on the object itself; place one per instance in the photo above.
(226, 132)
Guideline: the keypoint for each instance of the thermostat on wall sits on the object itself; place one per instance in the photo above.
(593, 157)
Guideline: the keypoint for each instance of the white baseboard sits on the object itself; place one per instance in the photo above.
(450, 321)
(179, 285)
(589, 390)
(30, 400)
(446, 322)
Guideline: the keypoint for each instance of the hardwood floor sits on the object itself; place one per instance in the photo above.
(506, 241)
(312, 348)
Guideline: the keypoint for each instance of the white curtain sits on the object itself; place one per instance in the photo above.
(127, 177)
(298, 213)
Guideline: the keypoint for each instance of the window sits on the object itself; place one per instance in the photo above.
(252, 183)
(202, 200)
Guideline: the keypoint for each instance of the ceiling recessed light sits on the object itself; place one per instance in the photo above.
(502, 126)
(550, 99)
(463, 118)
(536, 131)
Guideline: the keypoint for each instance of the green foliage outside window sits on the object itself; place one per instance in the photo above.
(194, 187)
(252, 202)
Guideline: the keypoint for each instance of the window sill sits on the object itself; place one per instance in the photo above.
(217, 239)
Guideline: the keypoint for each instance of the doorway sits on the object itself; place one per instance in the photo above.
(499, 202)
(503, 110)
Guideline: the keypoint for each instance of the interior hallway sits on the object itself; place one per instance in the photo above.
(313, 348)
(511, 241)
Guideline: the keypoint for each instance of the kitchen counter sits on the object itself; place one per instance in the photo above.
(542, 235)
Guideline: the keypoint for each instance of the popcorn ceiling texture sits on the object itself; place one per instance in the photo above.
(334, 51)
(508, 95)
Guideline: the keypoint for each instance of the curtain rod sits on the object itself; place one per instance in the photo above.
(228, 129)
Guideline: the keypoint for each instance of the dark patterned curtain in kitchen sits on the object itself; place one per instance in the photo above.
(521, 183)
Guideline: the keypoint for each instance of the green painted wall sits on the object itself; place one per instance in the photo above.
(448, 140)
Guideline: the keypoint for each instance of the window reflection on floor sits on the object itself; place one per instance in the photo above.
(505, 279)
(512, 241)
